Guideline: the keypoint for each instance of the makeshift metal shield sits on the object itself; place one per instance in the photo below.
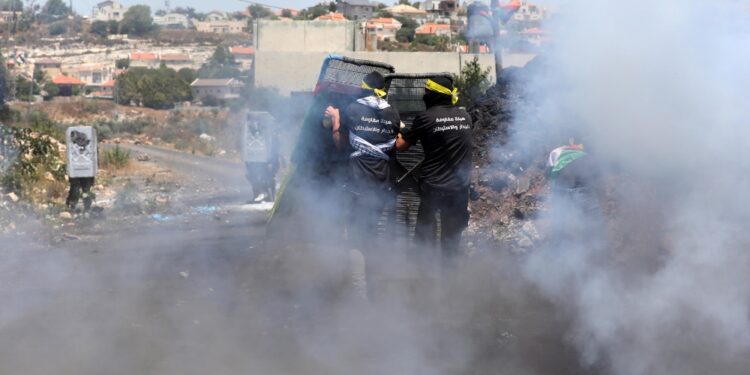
(256, 137)
(82, 151)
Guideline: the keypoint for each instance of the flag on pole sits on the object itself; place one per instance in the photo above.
(560, 157)
(507, 11)
(20, 59)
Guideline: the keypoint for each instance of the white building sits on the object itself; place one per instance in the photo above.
(221, 27)
(8, 16)
(530, 12)
(108, 10)
(383, 29)
(216, 16)
(173, 21)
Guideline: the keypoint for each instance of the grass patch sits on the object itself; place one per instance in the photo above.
(115, 158)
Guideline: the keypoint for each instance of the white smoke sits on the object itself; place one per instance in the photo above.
(658, 89)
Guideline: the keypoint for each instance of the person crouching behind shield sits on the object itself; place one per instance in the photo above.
(445, 131)
(367, 129)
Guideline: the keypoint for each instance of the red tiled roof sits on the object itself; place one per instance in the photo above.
(332, 17)
(381, 20)
(46, 62)
(242, 50)
(142, 56)
(534, 31)
(432, 28)
(175, 57)
(66, 80)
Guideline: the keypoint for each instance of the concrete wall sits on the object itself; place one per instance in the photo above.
(307, 36)
(298, 71)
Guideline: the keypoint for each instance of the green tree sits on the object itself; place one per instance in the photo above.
(220, 65)
(259, 11)
(314, 12)
(188, 75)
(408, 26)
(286, 13)
(153, 88)
(137, 21)
(24, 88)
(113, 27)
(160, 13)
(58, 28)
(188, 11)
(100, 28)
(222, 56)
(51, 90)
(54, 10)
(122, 63)
(472, 83)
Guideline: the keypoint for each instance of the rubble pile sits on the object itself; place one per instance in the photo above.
(509, 182)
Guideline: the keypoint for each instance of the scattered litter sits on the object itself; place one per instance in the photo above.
(66, 215)
(262, 206)
(184, 274)
(161, 218)
(205, 210)
(69, 236)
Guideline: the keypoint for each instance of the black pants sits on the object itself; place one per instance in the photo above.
(77, 185)
(453, 208)
(368, 200)
(261, 177)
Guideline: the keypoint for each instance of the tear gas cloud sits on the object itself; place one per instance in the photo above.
(656, 91)
(658, 94)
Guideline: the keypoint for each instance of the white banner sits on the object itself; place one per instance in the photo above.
(82, 151)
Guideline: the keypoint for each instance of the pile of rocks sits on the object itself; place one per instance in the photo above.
(510, 182)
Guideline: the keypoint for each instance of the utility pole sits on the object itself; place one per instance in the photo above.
(500, 15)
(496, 45)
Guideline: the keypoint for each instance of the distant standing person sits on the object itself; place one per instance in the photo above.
(445, 131)
(261, 155)
(82, 165)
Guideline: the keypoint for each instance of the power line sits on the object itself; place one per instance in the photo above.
(261, 4)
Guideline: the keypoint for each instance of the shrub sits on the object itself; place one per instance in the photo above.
(33, 155)
(472, 82)
(115, 158)
(57, 28)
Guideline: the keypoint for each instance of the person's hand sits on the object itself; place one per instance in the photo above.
(332, 113)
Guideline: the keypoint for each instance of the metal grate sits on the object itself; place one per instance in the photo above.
(344, 75)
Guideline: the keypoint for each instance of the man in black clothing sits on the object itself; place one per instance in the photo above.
(367, 130)
(80, 187)
(445, 132)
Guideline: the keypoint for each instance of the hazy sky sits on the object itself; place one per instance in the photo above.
(84, 6)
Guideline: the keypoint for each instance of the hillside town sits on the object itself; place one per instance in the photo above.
(51, 51)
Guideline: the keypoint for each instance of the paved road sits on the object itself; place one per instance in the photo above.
(204, 293)
(225, 178)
